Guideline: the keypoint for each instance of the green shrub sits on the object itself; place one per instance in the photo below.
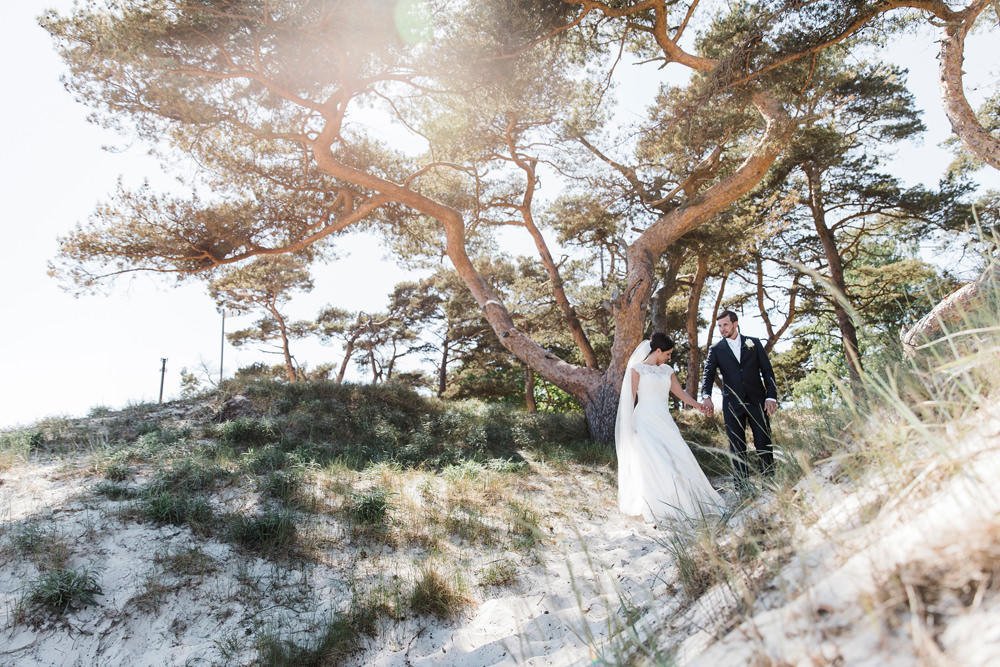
(177, 509)
(284, 485)
(62, 590)
(117, 472)
(375, 423)
(372, 507)
(247, 432)
(271, 532)
(115, 491)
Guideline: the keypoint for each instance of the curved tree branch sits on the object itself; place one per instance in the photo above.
(963, 119)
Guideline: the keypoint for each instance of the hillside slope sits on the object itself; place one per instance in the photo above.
(227, 532)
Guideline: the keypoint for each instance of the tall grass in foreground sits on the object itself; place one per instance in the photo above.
(893, 438)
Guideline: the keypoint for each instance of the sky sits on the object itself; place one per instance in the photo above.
(63, 356)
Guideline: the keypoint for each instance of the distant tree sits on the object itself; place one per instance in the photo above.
(334, 323)
(190, 384)
(830, 196)
(265, 284)
(447, 317)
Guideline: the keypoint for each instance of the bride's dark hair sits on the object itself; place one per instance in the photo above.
(660, 341)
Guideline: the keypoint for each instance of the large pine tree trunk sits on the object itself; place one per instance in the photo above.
(600, 407)
(666, 290)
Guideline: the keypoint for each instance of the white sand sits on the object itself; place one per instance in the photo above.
(826, 606)
(556, 611)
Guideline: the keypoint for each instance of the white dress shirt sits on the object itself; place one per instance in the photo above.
(735, 344)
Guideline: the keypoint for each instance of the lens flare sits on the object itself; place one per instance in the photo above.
(413, 21)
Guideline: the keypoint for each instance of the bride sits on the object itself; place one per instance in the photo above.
(658, 476)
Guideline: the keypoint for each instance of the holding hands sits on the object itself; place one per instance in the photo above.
(707, 408)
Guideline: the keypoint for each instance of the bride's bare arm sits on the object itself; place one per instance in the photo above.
(635, 385)
(677, 390)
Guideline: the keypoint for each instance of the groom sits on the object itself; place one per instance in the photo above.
(749, 394)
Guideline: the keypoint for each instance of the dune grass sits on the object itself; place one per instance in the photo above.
(880, 449)
(428, 493)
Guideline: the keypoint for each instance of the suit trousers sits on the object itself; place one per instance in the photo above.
(737, 417)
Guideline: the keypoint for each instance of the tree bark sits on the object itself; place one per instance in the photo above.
(666, 291)
(835, 266)
(443, 369)
(348, 351)
(694, 306)
(529, 390)
(392, 362)
(953, 312)
(555, 279)
(600, 409)
(376, 375)
(285, 349)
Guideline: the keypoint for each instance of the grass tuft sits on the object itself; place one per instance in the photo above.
(39, 542)
(117, 471)
(15, 446)
(283, 485)
(115, 491)
(272, 532)
(248, 432)
(177, 509)
(187, 562)
(371, 508)
(337, 638)
(501, 572)
(436, 595)
(60, 591)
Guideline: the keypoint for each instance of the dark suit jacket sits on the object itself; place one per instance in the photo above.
(749, 381)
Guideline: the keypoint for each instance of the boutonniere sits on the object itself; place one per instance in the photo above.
(749, 343)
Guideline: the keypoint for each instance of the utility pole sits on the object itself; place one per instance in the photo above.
(163, 374)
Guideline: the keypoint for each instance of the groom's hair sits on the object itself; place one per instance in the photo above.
(731, 315)
(660, 341)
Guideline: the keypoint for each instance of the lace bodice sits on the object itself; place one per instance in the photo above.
(654, 382)
(649, 369)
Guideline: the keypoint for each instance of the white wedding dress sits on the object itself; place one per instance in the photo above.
(658, 476)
